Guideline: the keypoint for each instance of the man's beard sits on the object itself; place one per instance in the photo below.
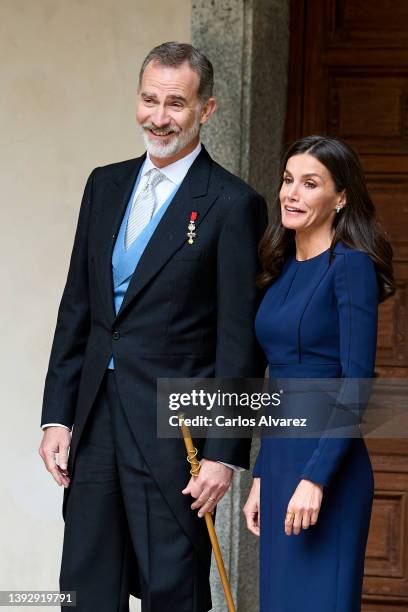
(179, 140)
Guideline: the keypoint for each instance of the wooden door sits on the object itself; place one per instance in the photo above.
(348, 77)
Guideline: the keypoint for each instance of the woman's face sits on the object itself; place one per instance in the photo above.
(308, 195)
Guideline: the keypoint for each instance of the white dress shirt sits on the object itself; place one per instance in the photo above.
(175, 174)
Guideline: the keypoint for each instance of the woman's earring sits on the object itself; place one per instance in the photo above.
(338, 208)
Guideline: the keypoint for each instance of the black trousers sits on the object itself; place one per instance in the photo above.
(116, 515)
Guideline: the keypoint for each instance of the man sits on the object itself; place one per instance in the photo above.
(144, 301)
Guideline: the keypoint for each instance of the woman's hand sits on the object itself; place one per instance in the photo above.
(304, 506)
(252, 509)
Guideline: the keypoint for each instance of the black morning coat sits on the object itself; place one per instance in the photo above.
(188, 312)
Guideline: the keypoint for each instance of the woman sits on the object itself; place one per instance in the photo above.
(326, 265)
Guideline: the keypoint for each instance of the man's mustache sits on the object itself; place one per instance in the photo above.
(167, 129)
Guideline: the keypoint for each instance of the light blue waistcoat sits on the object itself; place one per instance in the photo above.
(124, 261)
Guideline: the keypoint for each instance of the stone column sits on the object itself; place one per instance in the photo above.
(247, 42)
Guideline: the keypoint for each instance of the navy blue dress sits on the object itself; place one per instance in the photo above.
(317, 320)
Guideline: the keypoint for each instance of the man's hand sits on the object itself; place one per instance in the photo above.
(56, 440)
(210, 485)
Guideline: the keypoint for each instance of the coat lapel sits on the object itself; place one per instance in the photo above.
(115, 194)
(193, 195)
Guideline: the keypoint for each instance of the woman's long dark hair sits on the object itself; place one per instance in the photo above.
(355, 225)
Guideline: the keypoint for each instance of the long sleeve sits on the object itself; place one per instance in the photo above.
(45, 425)
(356, 292)
(72, 328)
(238, 353)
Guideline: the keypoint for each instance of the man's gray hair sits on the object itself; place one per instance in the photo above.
(175, 54)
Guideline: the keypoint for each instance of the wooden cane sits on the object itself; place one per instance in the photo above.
(195, 469)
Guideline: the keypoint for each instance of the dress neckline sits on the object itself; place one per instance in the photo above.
(303, 261)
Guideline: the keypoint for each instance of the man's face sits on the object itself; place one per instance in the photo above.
(169, 111)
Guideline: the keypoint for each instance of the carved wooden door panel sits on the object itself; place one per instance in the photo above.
(348, 77)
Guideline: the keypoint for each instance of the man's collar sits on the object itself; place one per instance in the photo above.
(176, 171)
